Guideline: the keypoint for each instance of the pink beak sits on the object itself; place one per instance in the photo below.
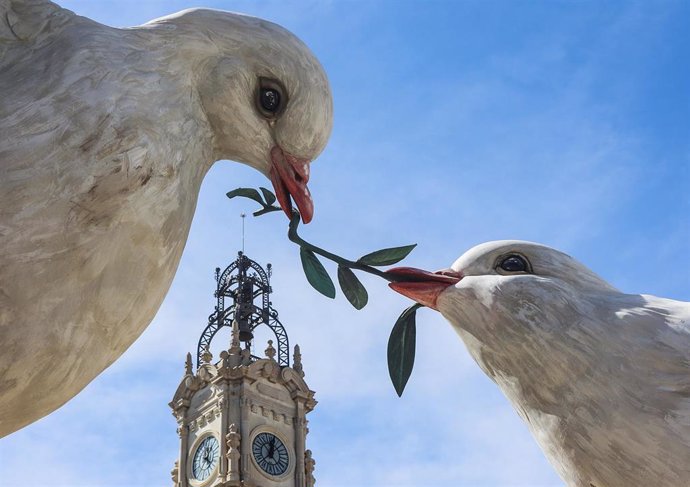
(422, 286)
(290, 175)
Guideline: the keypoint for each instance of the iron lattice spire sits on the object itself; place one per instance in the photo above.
(247, 287)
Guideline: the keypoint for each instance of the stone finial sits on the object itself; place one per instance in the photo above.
(188, 365)
(297, 361)
(270, 351)
(235, 340)
(309, 466)
(206, 356)
(232, 440)
(174, 473)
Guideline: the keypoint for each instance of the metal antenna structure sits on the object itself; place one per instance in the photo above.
(243, 216)
(243, 290)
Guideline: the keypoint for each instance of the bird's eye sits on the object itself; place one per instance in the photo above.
(270, 99)
(514, 263)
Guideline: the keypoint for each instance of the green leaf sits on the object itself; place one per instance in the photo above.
(266, 209)
(250, 193)
(352, 288)
(401, 348)
(387, 256)
(268, 196)
(316, 273)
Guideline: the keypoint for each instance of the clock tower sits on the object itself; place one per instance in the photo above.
(241, 418)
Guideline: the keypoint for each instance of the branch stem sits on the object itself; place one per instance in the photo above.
(294, 237)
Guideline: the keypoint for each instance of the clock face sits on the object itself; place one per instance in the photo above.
(205, 458)
(270, 454)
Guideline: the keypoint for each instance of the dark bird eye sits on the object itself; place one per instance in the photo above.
(514, 263)
(269, 99)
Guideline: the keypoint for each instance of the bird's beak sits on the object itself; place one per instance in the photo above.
(289, 175)
(422, 286)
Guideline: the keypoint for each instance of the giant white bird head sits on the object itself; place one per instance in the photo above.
(266, 96)
(497, 282)
(107, 134)
(600, 377)
(508, 300)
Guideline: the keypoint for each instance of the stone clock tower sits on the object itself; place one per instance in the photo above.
(242, 418)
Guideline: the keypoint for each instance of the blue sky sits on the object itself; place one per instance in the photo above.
(565, 123)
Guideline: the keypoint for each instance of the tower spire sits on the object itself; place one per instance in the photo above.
(241, 419)
(243, 291)
(235, 348)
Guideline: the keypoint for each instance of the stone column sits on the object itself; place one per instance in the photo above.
(222, 404)
(245, 447)
(183, 431)
(300, 443)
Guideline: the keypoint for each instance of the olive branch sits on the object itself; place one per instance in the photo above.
(401, 343)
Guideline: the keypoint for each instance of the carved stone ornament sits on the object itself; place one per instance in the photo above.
(309, 466)
(270, 370)
(233, 454)
(188, 365)
(297, 361)
(270, 351)
(174, 473)
(246, 356)
(206, 357)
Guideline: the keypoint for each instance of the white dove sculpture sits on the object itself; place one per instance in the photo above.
(601, 378)
(106, 135)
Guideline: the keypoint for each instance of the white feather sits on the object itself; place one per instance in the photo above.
(106, 136)
(602, 378)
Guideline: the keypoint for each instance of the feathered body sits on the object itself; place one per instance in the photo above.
(106, 136)
(601, 378)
